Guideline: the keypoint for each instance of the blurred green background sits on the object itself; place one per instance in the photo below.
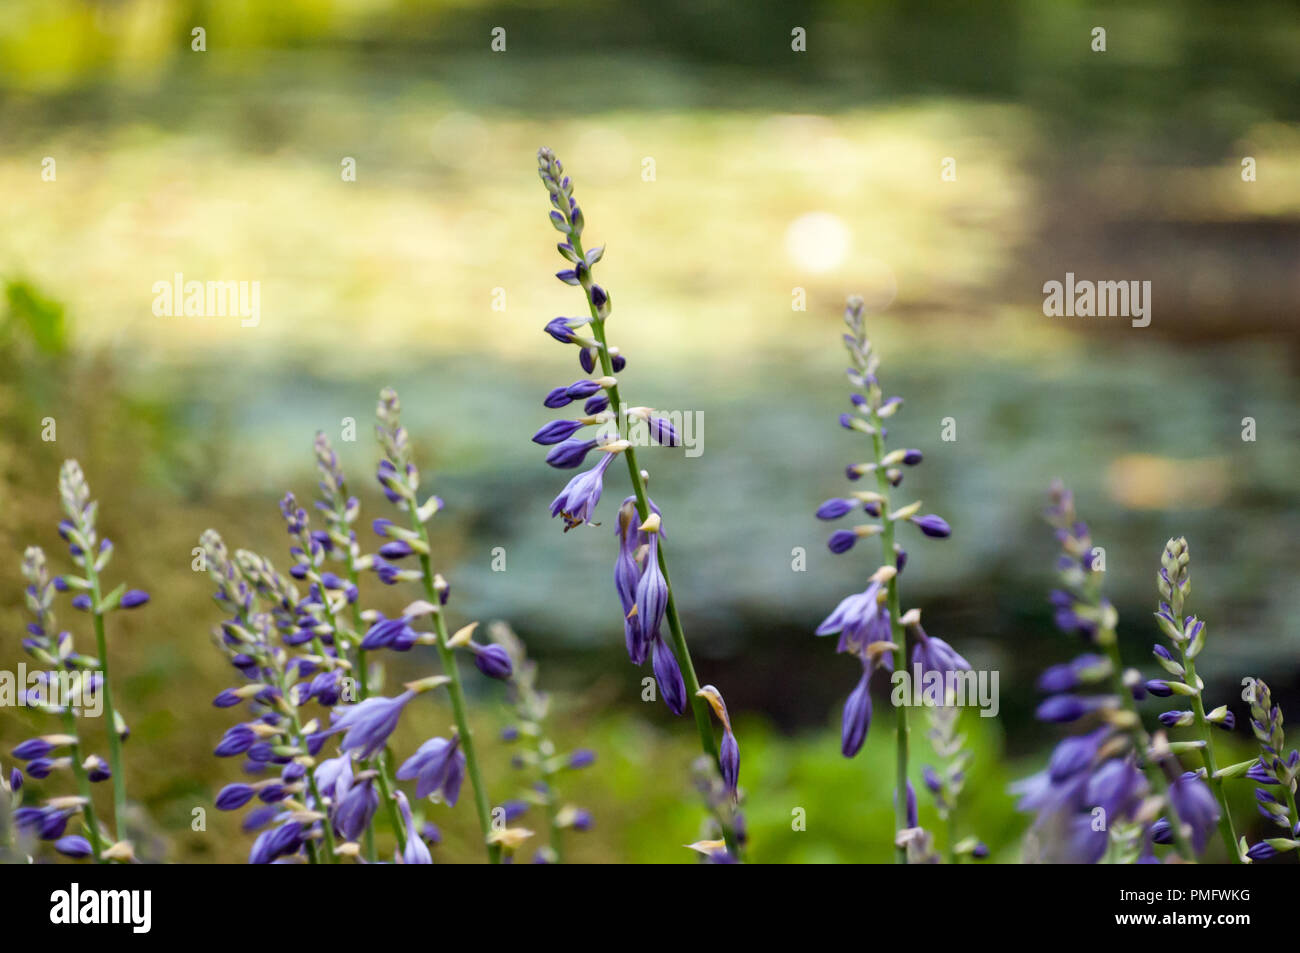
(773, 171)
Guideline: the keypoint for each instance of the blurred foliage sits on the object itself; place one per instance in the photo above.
(226, 164)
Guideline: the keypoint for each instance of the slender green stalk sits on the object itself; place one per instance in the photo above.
(114, 740)
(326, 827)
(1211, 768)
(699, 707)
(457, 694)
(83, 783)
(381, 759)
(1290, 803)
(1142, 741)
(552, 806)
(897, 636)
(1174, 585)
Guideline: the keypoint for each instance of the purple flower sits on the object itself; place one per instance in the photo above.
(580, 390)
(1117, 787)
(415, 851)
(277, 842)
(556, 431)
(1195, 805)
(334, 777)
(355, 808)
(936, 655)
(857, 716)
(729, 760)
(41, 768)
(582, 758)
(396, 549)
(570, 454)
(562, 328)
(389, 633)
(1075, 754)
(368, 724)
(834, 508)
(234, 796)
(1063, 708)
(133, 598)
(932, 525)
(236, 740)
(1069, 675)
(74, 845)
(627, 575)
(577, 502)
(663, 433)
(860, 619)
(651, 595)
(841, 541)
(1261, 851)
(669, 677)
(1159, 687)
(492, 660)
(438, 766)
(912, 820)
(32, 748)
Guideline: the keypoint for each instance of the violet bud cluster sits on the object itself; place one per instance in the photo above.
(71, 686)
(867, 627)
(1110, 764)
(297, 649)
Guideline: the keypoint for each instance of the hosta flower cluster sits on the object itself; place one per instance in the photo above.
(640, 566)
(74, 688)
(1148, 789)
(317, 729)
(870, 625)
(331, 759)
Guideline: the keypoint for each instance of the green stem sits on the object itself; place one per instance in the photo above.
(83, 783)
(553, 812)
(699, 707)
(114, 740)
(326, 827)
(381, 759)
(457, 693)
(897, 636)
(363, 691)
(1155, 772)
(1207, 754)
(1295, 817)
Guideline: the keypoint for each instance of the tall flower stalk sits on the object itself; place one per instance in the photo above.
(641, 571)
(79, 529)
(295, 648)
(871, 624)
(400, 479)
(1274, 772)
(1187, 635)
(538, 754)
(1114, 770)
(946, 782)
(73, 684)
